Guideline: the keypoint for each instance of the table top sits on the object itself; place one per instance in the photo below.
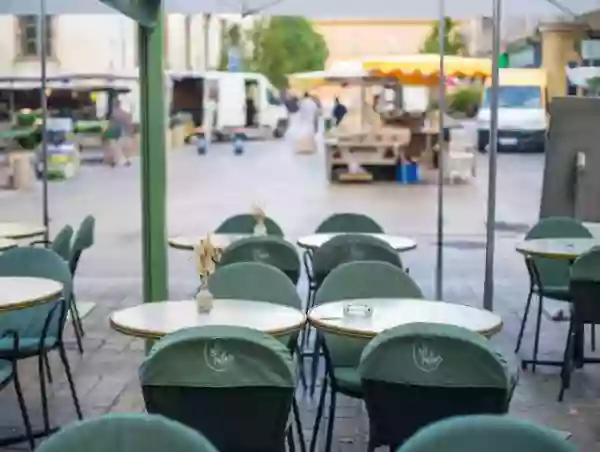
(23, 292)
(557, 248)
(220, 241)
(154, 320)
(6, 244)
(399, 243)
(388, 313)
(17, 231)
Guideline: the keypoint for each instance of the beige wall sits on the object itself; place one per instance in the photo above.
(558, 48)
(354, 39)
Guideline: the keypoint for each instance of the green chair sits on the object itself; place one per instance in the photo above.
(61, 244)
(235, 385)
(270, 250)
(84, 239)
(585, 310)
(486, 433)
(8, 373)
(39, 327)
(549, 278)
(349, 223)
(419, 373)
(342, 353)
(127, 432)
(260, 282)
(347, 248)
(244, 224)
(254, 281)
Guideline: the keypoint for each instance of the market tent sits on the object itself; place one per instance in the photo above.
(424, 69)
(339, 73)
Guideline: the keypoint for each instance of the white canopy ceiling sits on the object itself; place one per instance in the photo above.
(427, 9)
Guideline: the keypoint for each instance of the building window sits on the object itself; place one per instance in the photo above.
(28, 30)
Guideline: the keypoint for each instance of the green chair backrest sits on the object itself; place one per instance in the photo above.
(361, 280)
(244, 224)
(367, 279)
(127, 432)
(486, 433)
(270, 250)
(349, 222)
(37, 263)
(218, 357)
(426, 354)
(61, 244)
(254, 281)
(587, 267)
(84, 239)
(349, 248)
(554, 272)
(584, 287)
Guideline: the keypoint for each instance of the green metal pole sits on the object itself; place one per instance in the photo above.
(153, 158)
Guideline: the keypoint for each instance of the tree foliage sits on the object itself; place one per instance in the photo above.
(278, 46)
(454, 44)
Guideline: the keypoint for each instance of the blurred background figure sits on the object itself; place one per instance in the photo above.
(305, 122)
(339, 111)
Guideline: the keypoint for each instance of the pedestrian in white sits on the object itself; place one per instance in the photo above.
(308, 113)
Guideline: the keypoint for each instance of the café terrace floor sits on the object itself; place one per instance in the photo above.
(292, 188)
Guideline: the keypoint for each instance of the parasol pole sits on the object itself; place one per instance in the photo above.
(488, 285)
(42, 49)
(439, 270)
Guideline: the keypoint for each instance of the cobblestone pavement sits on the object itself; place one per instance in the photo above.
(204, 190)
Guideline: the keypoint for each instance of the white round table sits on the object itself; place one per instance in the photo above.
(400, 244)
(22, 292)
(220, 241)
(154, 320)
(557, 248)
(18, 231)
(6, 244)
(388, 313)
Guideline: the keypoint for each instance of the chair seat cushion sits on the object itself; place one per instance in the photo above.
(348, 381)
(561, 293)
(28, 346)
(6, 372)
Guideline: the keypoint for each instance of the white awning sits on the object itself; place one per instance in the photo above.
(397, 9)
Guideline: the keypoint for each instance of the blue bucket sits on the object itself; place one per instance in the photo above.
(407, 173)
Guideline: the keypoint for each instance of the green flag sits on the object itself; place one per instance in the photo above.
(503, 60)
(145, 12)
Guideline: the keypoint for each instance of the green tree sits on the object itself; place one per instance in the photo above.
(454, 43)
(282, 45)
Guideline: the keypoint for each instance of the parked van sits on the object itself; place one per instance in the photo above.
(522, 111)
(244, 101)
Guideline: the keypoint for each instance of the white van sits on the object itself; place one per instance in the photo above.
(522, 111)
(245, 101)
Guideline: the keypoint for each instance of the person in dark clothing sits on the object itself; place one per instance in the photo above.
(339, 111)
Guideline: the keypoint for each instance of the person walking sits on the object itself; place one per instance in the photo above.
(119, 123)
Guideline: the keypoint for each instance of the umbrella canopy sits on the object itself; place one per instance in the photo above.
(340, 73)
(424, 69)
(312, 8)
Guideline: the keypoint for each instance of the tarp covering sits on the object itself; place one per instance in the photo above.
(218, 357)
(425, 354)
(423, 69)
(383, 9)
